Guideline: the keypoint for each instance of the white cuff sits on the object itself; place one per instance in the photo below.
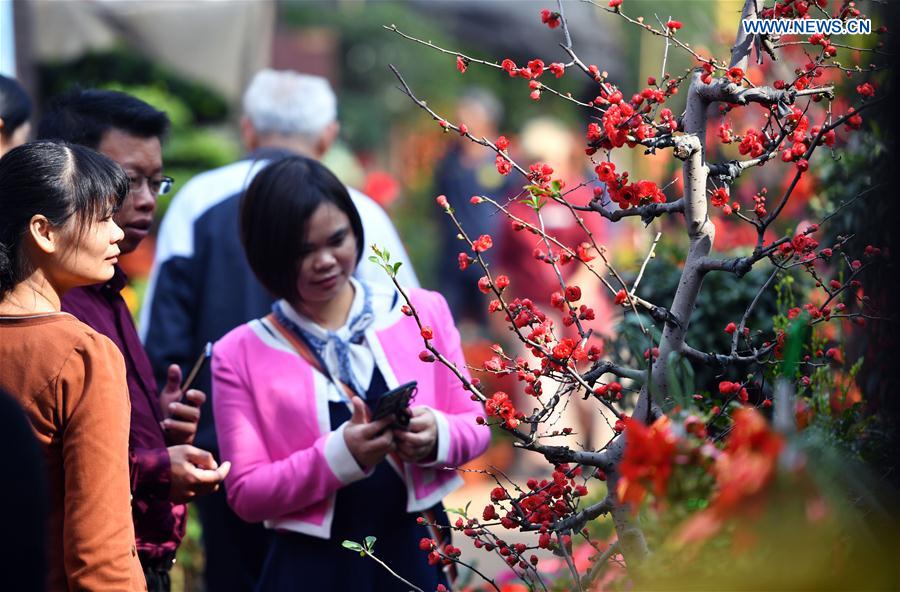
(443, 439)
(340, 459)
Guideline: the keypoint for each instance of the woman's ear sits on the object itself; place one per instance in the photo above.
(46, 237)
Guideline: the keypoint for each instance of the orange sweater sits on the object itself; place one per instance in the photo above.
(71, 382)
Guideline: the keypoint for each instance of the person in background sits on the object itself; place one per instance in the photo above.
(57, 233)
(15, 110)
(466, 170)
(294, 392)
(549, 141)
(201, 285)
(23, 558)
(166, 469)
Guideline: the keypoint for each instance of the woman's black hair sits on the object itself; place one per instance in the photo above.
(15, 106)
(59, 181)
(275, 212)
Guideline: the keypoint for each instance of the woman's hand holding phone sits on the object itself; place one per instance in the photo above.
(418, 441)
(368, 441)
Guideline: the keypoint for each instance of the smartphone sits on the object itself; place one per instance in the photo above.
(205, 355)
(396, 402)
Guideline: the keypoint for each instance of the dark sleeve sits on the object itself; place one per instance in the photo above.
(151, 472)
(170, 328)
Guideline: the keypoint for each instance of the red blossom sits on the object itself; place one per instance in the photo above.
(719, 197)
(442, 202)
(730, 328)
(550, 18)
(735, 74)
(427, 333)
(673, 25)
(482, 243)
(606, 171)
(504, 166)
(536, 67)
(866, 89)
(557, 68)
(461, 64)
(621, 296)
(573, 293)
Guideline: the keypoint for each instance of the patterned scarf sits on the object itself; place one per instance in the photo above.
(333, 348)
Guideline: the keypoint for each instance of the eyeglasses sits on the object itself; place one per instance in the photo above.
(157, 185)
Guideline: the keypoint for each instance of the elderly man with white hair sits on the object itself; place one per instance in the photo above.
(201, 285)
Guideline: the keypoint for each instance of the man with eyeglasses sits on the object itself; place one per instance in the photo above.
(166, 469)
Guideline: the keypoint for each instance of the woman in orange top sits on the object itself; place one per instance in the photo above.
(56, 233)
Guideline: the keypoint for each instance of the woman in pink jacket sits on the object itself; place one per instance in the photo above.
(293, 393)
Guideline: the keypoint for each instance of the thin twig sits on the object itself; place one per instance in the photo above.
(647, 259)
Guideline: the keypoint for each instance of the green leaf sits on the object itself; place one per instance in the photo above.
(373, 258)
(556, 185)
(397, 266)
(797, 335)
(386, 255)
(370, 543)
(680, 378)
(353, 546)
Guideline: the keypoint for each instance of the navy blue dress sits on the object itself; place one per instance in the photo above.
(374, 506)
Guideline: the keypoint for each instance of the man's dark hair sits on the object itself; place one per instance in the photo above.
(15, 106)
(275, 214)
(59, 181)
(83, 116)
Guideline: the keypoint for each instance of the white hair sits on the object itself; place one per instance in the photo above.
(287, 103)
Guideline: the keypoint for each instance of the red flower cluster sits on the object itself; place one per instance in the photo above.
(731, 388)
(866, 89)
(649, 454)
(501, 406)
(760, 202)
(634, 194)
(752, 143)
(742, 472)
(547, 502)
(540, 173)
(725, 133)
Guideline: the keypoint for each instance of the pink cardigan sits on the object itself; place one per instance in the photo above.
(272, 420)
